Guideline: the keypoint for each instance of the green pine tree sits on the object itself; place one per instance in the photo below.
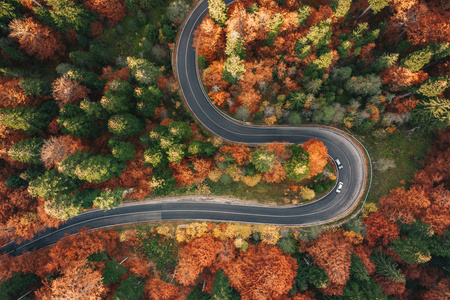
(123, 151)
(52, 183)
(90, 167)
(341, 7)
(222, 289)
(131, 288)
(78, 122)
(148, 99)
(180, 131)
(117, 99)
(218, 11)
(434, 86)
(66, 15)
(303, 13)
(62, 207)
(28, 151)
(235, 45)
(29, 119)
(386, 266)
(377, 5)
(109, 199)
(143, 70)
(297, 167)
(35, 87)
(263, 160)
(113, 271)
(432, 113)
(125, 125)
(418, 59)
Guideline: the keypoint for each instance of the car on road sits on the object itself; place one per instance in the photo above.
(338, 162)
(339, 188)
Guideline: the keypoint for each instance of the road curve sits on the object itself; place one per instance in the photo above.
(331, 207)
(355, 159)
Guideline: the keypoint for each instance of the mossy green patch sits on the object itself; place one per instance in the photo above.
(405, 150)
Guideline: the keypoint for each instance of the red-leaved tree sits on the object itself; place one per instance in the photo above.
(113, 10)
(36, 39)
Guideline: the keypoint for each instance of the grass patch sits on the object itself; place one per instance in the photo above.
(405, 151)
(263, 192)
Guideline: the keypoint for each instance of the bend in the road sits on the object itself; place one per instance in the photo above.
(356, 172)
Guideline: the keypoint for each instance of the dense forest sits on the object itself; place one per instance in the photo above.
(83, 125)
(361, 65)
(398, 249)
(91, 116)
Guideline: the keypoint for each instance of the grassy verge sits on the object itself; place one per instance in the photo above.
(402, 151)
(265, 193)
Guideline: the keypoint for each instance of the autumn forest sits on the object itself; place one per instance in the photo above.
(92, 117)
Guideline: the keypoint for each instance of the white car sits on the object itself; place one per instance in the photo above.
(339, 188)
(338, 162)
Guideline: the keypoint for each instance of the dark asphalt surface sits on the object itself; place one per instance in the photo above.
(331, 207)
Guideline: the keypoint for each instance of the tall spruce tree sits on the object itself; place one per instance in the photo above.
(27, 151)
(90, 167)
(218, 11)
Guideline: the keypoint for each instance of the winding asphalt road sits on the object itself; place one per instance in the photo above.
(331, 207)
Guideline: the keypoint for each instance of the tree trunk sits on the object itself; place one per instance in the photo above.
(37, 3)
(405, 95)
(364, 12)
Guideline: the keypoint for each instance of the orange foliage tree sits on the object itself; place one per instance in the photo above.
(111, 74)
(11, 94)
(209, 39)
(432, 179)
(390, 287)
(137, 176)
(380, 230)
(251, 98)
(74, 248)
(200, 169)
(239, 152)
(36, 39)
(317, 156)
(276, 174)
(437, 162)
(14, 201)
(263, 271)
(363, 252)
(194, 256)
(432, 27)
(213, 78)
(279, 149)
(17, 213)
(68, 91)
(405, 205)
(113, 10)
(77, 282)
(424, 22)
(137, 264)
(440, 290)
(398, 77)
(56, 148)
(96, 28)
(332, 252)
(220, 98)
(403, 106)
(70, 252)
(26, 220)
(437, 214)
(156, 289)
